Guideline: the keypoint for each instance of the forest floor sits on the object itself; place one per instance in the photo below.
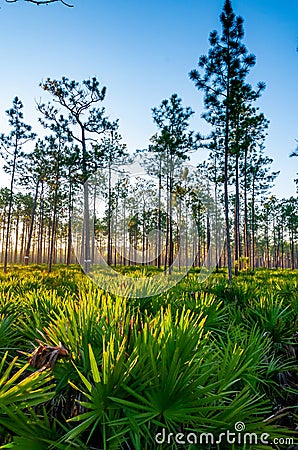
(82, 368)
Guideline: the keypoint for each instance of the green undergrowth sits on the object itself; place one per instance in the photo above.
(198, 358)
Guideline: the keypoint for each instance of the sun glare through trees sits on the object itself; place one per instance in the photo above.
(148, 300)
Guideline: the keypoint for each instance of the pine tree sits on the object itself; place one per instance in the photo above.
(221, 75)
(12, 145)
(174, 141)
(109, 154)
(260, 179)
(34, 172)
(80, 100)
(295, 153)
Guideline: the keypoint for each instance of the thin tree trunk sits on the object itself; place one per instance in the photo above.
(53, 232)
(3, 233)
(86, 205)
(109, 219)
(9, 212)
(26, 258)
(216, 217)
(159, 218)
(171, 243)
(226, 198)
(253, 225)
(22, 241)
(226, 167)
(237, 220)
(246, 230)
(94, 224)
(16, 239)
(292, 249)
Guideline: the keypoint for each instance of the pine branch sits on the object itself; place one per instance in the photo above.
(42, 2)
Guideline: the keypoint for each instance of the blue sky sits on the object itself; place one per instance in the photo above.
(143, 51)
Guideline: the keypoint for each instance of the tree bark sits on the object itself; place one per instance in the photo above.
(26, 258)
(9, 211)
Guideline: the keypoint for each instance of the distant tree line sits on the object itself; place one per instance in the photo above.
(260, 230)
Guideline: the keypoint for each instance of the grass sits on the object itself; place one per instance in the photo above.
(199, 357)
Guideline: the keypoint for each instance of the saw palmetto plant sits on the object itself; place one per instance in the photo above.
(84, 369)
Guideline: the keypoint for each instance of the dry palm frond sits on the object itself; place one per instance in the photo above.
(46, 356)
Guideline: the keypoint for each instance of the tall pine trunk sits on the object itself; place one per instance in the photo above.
(53, 232)
(16, 239)
(237, 214)
(86, 232)
(69, 228)
(109, 217)
(9, 212)
(226, 192)
(26, 258)
(246, 229)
